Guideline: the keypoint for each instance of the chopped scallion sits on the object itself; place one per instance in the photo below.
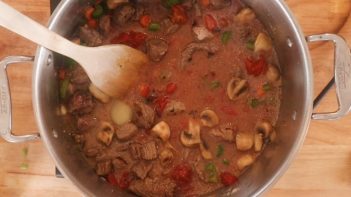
(254, 103)
(266, 87)
(154, 27)
(98, 12)
(226, 36)
(215, 84)
(250, 45)
(220, 150)
(225, 162)
(64, 88)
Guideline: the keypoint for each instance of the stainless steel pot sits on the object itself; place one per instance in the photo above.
(292, 125)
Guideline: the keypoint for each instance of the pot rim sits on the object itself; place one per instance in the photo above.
(302, 44)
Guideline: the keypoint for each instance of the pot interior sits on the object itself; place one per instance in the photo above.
(294, 117)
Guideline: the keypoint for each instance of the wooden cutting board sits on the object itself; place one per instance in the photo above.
(322, 167)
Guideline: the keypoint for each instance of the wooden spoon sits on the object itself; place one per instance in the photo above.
(111, 68)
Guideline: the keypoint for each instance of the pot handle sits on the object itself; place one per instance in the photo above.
(5, 102)
(342, 77)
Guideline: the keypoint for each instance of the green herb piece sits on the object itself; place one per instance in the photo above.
(25, 151)
(215, 84)
(226, 36)
(266, 87)
(225, 162)
(70, 63)
(170, 3)
(254, 103)
(250, 45)
(220, 150)
(98, 12)
(211, 171)
(154, 27)
(24, 166)
(64, 88)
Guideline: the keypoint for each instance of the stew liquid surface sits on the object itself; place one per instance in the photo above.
(203, 109)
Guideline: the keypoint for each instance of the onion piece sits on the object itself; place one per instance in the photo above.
(121, 112)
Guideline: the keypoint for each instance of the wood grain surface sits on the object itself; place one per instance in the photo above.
(322, 167)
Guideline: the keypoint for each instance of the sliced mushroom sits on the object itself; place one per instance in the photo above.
(273, 136)
(237, 88)
(258, 142)
(244, 161)
(209, 118)
(162, 131)
(174, 107)
(206, 154)
(264, 127)
(272, 74)
(245, 15)
(98, 94)
(192, 136)
(105, 134)
(166, 157)
(244, 141)
(202, 33)
(263, 43)
(225, 131)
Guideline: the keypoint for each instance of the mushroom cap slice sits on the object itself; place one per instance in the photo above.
(237, 88)
(206, 154)
(192, 136)
(244, 141)
(209, 118)
(264, 127)
(105, 133)
(162, 131)
(244, 161)
(263, 43)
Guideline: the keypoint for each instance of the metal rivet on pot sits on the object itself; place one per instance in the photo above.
(294, 114)
(289, 42)
(49, 61)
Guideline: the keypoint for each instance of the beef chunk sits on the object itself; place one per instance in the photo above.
(81, 103)
(79, 76)
(156, 48)
(139, 11)
(147, 151)
(105, 24)
(153, 187)
(86, 122)
(144, 115)
(174, 108)
(90, 36)
(122, 14)
(126, 131)
(219, 4)
(91, 151)
(103, 168)
(187, 53)
(169, 27)
(141, 169)
(123, 160)
(115, 151)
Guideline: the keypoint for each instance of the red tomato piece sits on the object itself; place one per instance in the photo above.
(132, 39)
(61, 73)
(145, 20)
(179, 14)
(144, 90)
(92, 23)
(124, 181)
(256, 67)
(112, 179)
(88, 13)
(161, 103)
(228, 179)
(171, 88)
(182, 174)
(211, 23)
(229, 110)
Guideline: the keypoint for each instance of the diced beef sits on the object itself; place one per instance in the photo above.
(115, 151)
(139, 11)
(142, 168)
(91, 151)
(153, 187)
(219, 4)
(147, 151)
(144, 115)
(79, 76)
(86, 122)
(126, 131)
(174, 108)
(123, 13)
(105, 24)
(169, 27)
(123, 160)
(90, 36)
(103, 168)
(81, 103)
(156, 48)
(188, 52)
